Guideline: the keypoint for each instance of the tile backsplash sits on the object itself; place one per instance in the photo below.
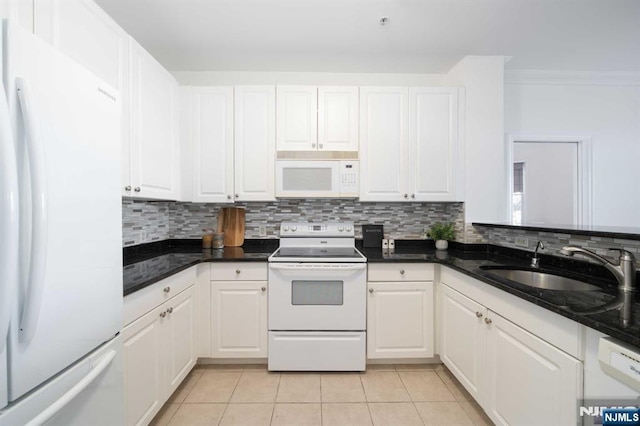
(146, 221)
(554, 241)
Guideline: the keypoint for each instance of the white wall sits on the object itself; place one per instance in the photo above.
(20, 11)
(484, 149)
(608, 114)
(550, 182)
(230, 78)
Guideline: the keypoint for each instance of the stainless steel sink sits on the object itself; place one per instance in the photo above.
(538, 279)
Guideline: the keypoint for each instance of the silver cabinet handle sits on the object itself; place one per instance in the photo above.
(313, 145)
(479, 314)
(401, 271)
(320, 146)
(166, 289)
(127, 188)
(263, 288)
(163, 314)
(371, 290)
(413, 195)
(137, 189)
(236, 195)
(238, 271)
(228, 197)
(406, 195)
(488, 321)
(170, 310)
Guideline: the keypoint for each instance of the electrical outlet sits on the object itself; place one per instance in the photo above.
(522, 242)
(262, 230)
(143, 235)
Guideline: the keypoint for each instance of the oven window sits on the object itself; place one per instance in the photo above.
(307, 292)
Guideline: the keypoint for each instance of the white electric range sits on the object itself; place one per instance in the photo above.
(317, 299)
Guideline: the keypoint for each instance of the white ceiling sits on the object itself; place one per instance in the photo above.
(423, 36)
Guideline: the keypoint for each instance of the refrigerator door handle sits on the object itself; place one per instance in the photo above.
(65, 399)
(39, 200)
(9, 219)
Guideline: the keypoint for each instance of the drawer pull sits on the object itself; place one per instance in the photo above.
(263, 289)
(371, 290)
(479, 314)
(166, 289)
(170, 310)
(488, 321)
(401, 271)
(163, 314)
(238, 271)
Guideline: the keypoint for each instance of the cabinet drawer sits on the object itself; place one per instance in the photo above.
(139, 303)
(239, 271)
(401, 272)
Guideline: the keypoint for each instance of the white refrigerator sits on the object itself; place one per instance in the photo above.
(60, 239)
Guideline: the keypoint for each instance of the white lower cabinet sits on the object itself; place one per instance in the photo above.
(159, 352)
(400, 314)
(517, 377)
(239, 310)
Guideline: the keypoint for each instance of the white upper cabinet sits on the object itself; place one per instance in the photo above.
(383, 143)
(409, 148)
(297, 122)
(211, 144)
(311, 118)
(338, 118)
(433, 144)
(154, 156)
(255, 143)
(83, 31)
(20, 11)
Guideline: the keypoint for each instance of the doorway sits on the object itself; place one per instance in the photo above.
(549, 181)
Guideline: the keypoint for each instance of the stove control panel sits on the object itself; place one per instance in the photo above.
(317, 229)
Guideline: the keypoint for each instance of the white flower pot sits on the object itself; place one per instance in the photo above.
(442, 244)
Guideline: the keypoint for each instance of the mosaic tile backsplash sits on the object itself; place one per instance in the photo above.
(147, 221)
(554, 241)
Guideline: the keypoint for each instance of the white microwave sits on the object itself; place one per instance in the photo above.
(317, 179)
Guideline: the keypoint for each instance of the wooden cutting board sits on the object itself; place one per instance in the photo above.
(231, 222)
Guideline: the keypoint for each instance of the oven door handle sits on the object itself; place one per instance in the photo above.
(305, 268)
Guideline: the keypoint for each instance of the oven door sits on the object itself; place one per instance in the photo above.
(317, 296)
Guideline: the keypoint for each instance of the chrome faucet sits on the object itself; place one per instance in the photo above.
(535, 261)
(625, 273)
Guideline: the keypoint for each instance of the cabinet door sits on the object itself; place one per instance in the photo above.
(154, 137)
(463, 337)
(144, 378)
(433, 143)
(239, 319)
(83, 31)
(400, 320)
(529, 381)
(255, 143)
(297, 118)
(212, 109)
(383, 144)
(180, 337)
(338, 118)
(20, 11)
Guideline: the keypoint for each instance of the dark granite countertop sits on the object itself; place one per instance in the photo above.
(621, 232)
(145, 268)
(149, 263)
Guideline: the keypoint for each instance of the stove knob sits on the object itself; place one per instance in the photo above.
(285, 228)
(348, 229)
(294, 228)
(340, 228)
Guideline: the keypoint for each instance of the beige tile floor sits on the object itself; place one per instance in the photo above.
(384, 395)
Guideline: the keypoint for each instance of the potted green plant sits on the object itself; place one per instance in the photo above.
(442, 233)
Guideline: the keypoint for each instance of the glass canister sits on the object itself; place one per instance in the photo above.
(207, 238)
(218, 240)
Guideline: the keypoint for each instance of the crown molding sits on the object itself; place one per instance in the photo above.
(572, 78)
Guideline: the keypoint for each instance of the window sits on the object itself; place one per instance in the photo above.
(517, 198)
